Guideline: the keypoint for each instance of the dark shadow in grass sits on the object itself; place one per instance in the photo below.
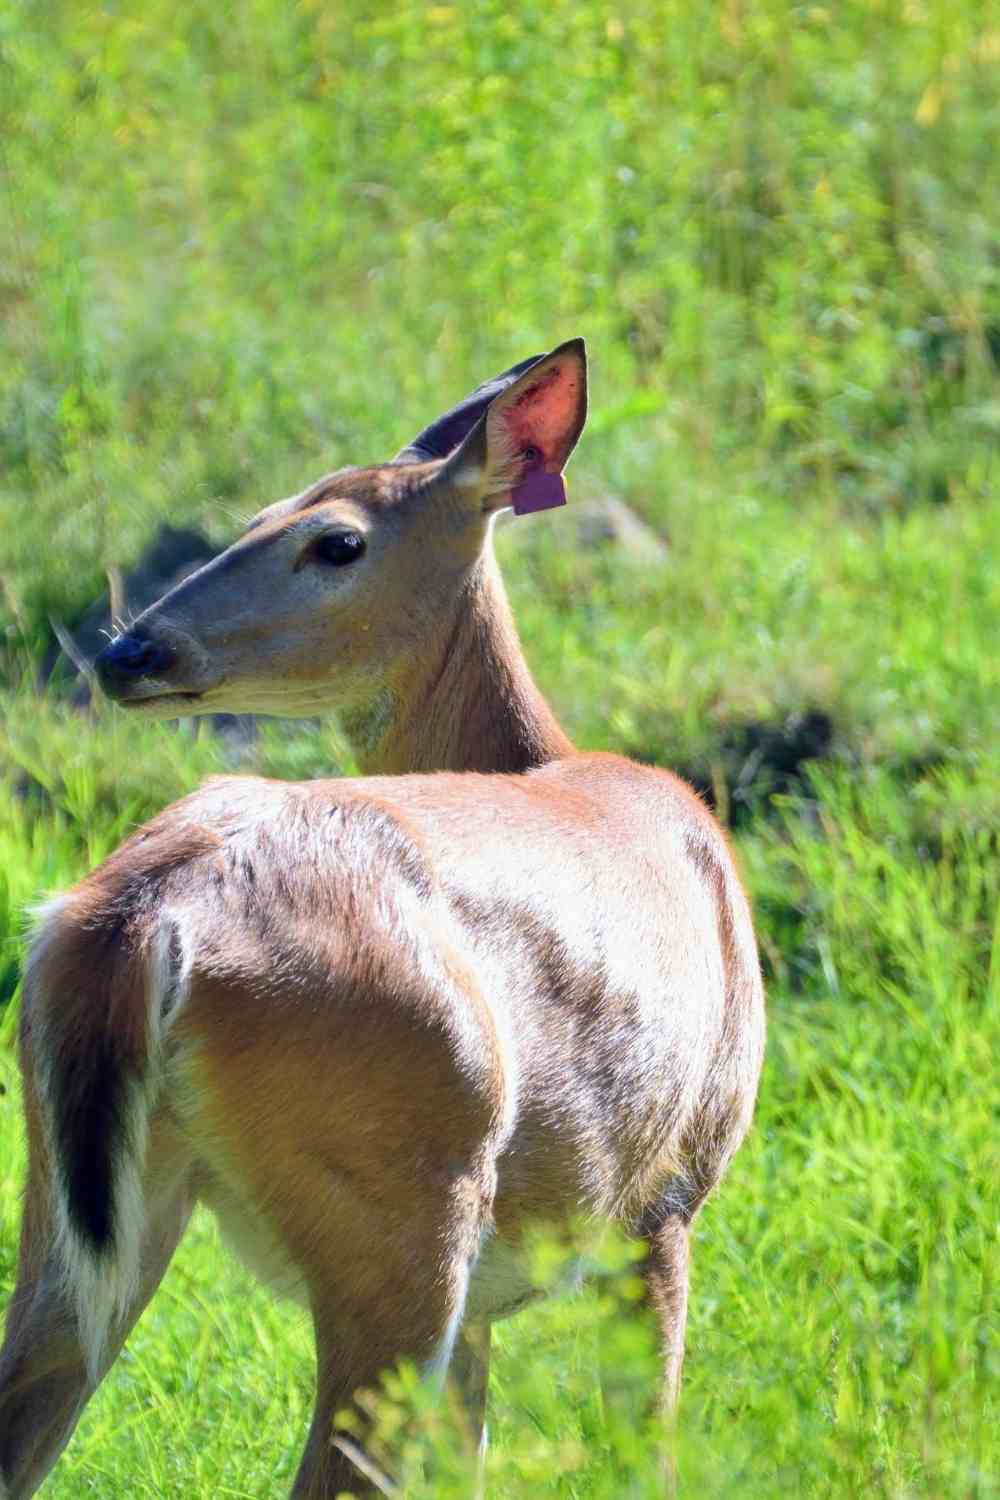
(171, 556)
(754, 762)
(173, 553)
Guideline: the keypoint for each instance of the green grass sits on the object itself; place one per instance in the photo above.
(241, 249)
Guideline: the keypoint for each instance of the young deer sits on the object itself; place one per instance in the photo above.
(380, 1027)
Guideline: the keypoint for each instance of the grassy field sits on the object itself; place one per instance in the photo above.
(243, 246)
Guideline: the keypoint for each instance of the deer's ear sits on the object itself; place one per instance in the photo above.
(522, 442)
(444, 435)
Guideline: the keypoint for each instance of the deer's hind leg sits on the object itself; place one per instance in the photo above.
(666, 1271)
(44, 1379)
(667, 1274)
(358, 1153)
(394, 1289)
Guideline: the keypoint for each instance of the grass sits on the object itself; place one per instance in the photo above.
(242, 249)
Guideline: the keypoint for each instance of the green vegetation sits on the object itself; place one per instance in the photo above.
(243, 245)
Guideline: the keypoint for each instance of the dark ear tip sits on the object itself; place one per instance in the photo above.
(577, 346)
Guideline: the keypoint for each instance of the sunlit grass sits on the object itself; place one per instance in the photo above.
(244, 247)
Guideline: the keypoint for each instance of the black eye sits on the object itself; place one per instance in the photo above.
(339, 548)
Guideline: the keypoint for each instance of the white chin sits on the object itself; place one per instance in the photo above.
(169, 706)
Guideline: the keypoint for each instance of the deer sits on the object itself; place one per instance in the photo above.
(384, 1026)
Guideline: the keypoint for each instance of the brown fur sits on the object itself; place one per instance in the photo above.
(383, 1027)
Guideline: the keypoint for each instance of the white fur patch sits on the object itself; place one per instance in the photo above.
(468, 477)
(44, 915)
(168, 975)
(104, 1287)
(436, 1368)
(248, 1235)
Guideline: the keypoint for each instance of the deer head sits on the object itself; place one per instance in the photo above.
(336, 596)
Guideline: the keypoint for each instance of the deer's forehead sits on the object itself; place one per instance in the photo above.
(375, 491)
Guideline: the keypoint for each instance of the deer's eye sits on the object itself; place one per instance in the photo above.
(338, 548)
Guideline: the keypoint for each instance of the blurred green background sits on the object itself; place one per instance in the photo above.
(242, 246)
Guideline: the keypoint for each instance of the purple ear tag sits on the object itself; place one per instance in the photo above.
(538, 490)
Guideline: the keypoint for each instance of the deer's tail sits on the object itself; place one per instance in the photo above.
(108, 972)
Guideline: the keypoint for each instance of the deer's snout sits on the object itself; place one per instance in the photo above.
(125, 662)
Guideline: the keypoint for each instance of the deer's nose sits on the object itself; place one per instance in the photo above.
(130, 657)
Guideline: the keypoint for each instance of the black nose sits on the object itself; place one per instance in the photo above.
(124, 661)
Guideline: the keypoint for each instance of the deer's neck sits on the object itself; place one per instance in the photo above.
(473, 708)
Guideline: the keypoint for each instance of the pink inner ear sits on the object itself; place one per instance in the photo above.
(544, 415)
